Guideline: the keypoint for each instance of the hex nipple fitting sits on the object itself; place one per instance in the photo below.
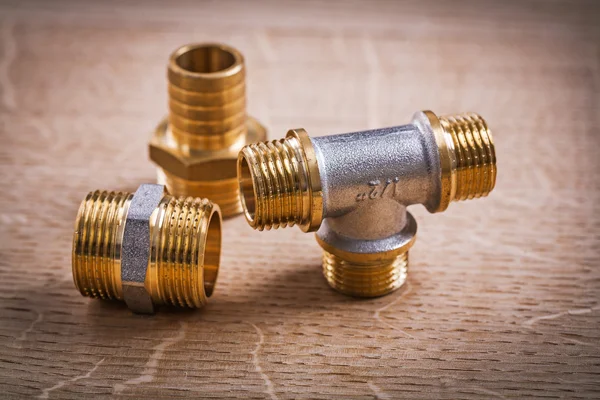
(196, 147)
(353, 189)
(147, 248)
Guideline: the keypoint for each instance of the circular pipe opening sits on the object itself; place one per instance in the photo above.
(212, 253)
(205, 59)
(247, 192)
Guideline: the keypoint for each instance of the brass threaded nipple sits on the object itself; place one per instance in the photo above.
(280, 184)
(473, 153)
(365, 279)
(184, 253)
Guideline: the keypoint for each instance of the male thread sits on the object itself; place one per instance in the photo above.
(185, 252)
(474, 153)
(185, 245)
(97, 244)
(207, 96)
(275, 184)
(365, 279)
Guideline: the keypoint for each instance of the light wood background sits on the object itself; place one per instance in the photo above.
(503, 298)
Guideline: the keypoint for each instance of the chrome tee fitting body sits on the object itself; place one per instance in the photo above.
(353, 189)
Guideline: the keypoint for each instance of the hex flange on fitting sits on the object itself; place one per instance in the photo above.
(196, 147)
(353, 189)
(147, 249)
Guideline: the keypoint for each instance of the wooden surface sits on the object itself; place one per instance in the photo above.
(503, 297)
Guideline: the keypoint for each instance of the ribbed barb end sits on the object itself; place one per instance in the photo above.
(280, 184)
(97, 244)
(368, 279)
(473, 155)
(186, 251)
(207, 96)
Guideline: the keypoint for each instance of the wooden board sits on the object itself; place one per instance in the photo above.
(503, 297)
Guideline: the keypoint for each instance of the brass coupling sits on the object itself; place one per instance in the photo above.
(353, 190)
(195, 148)
(147, 249)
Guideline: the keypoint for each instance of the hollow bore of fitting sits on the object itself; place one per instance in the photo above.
(247, 193)
(205, 59)
(212, 254)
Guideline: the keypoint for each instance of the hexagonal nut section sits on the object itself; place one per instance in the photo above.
(200, 165)
(135, 251)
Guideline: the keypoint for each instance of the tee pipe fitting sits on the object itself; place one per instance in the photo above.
(147, 248)
(353, 189)
(196, 147)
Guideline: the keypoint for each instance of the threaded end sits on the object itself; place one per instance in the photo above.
(277, 184)
(225, 192)
(97, 244)
(207, 96)
(474, 153)
(369, 279)
(186, 251)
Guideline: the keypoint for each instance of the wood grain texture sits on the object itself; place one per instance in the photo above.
(503, 297)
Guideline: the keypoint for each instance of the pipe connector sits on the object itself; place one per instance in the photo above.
(195, 148)
(353, 190)
(147, 249)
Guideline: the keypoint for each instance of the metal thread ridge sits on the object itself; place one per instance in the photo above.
(275, 184)
(96, 244)
(474, 153)
(178, 252)
(369, 279)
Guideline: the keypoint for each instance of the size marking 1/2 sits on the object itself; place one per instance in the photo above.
(378, 190)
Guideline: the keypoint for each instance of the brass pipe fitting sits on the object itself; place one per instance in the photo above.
(353, 189)
(195, 148)
(147, 249)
